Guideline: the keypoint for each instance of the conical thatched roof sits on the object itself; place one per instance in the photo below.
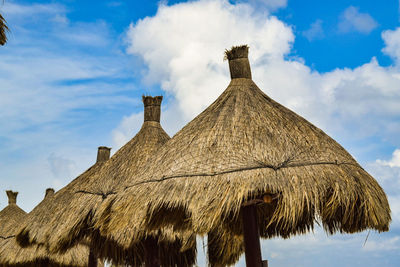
(11, 254)
(10, 216)
(3, 30)
(71, 221)
(33, 230)
(243, 147)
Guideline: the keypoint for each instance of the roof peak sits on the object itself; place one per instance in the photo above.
(49, 192)
(240, 51)
(12, 197)
(152, 108)
(239, 65)
(103, 154)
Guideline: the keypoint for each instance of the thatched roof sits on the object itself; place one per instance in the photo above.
(72, 220)
(33, 230)
(11, 254)
(10, 216)
(243, 146)
(3, 30)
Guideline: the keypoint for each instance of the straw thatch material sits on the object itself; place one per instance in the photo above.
(224, 247)
(72, 221)
(3, 30)
(11, 254)
(243, 146)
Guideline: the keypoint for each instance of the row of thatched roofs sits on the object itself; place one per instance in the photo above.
(245, 167)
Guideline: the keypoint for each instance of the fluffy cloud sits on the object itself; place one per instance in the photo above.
(394, 161)
(353, 20)
(392, 43)
(182, 48)
(387, 172)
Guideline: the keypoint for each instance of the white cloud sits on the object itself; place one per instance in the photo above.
(320, 249)
(315, 31)
(188, 40)
(389, 244)
(182, 48)
(387, 173)
(353, 20)
(394, 201)
(392, 43)
(325, 250)
(394, 161)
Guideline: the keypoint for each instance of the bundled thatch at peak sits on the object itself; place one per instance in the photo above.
(242, 147)
(11, 254)
(74, 207)
(235, 52)
(3, 30)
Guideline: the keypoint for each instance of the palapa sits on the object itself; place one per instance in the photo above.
(3, 30)
(73, 221)
(32, 229)
(10, 216)
(244, 149)
(11, 254)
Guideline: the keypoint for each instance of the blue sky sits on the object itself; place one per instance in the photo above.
(73, 73)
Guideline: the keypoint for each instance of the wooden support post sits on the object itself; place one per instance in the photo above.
(251, 236)
(151, 253)
(92, 262)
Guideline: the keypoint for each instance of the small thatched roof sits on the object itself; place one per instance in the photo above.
(72, 219)
(33, 230)
(10, 216)
(11, 254)
(243, 146)
(3, 30)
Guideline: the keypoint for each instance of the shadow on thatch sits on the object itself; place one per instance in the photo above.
(11, 254)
